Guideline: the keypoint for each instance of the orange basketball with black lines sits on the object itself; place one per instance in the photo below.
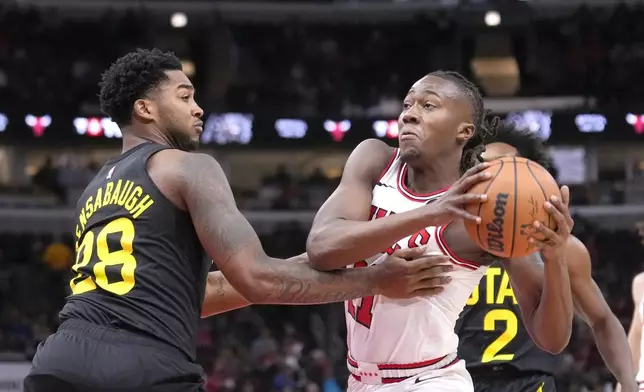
(516, 194)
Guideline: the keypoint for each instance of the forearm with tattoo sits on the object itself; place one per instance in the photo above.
(235, 247)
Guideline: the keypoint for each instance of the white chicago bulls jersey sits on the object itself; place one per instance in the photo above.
(414, 331)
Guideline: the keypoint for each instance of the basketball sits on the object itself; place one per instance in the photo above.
(516, 194)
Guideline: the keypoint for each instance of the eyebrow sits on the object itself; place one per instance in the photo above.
(426, 91)
(186, 86)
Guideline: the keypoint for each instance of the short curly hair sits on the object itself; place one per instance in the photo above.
(131, 77)
(527, 143)
(483, 124)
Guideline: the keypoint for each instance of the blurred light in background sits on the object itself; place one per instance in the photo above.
(492, 18)
(188, 68)
(178, 20)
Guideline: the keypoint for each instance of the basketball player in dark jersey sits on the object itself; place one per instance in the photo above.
(497, 348)
(142, 225)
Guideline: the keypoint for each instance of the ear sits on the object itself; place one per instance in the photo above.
(144, 109)
(465, 133)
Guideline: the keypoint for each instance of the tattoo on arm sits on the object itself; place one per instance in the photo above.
(236, 249)
(220, 286)
(300, 284)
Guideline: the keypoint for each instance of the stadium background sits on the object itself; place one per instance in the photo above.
(289, 89)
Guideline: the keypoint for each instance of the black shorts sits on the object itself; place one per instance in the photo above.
(83, 357)
(532, 382)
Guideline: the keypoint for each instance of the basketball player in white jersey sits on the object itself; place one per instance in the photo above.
(390, 199)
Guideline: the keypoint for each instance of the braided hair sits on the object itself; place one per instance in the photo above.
(483, 126)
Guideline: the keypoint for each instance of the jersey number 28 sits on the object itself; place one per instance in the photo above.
(88, 277)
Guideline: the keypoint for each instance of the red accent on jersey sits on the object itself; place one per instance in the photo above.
(393, 248)
(419, 239)
(381, 213)
(391, 161)
(364, 312)
(372, 213)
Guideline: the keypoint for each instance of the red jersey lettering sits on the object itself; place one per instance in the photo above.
(363, 313)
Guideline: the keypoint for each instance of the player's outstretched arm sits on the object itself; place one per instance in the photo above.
(342, 232)
(543, 290)
(610, 336)
(234, 246)
(221, 296)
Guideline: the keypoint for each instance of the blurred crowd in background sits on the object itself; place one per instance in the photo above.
(301, 68)
(49, 61)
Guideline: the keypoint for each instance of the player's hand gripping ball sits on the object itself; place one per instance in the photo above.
(519, 216)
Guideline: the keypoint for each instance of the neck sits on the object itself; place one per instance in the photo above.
(133, 136)
(432, 175)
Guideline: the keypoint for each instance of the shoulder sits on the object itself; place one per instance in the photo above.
(176, 172)
(374, 150)
(369, 159)
(181, 166)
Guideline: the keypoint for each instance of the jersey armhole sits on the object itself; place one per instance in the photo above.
(453, 258)
(384, 171)
(155, 187)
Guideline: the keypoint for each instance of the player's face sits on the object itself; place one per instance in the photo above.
(436, 119)
(498, 150)
(179, 115)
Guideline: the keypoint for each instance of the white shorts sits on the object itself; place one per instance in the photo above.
(451, 378)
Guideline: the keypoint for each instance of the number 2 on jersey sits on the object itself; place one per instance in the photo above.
(491, 352)
(363, 312)
(83, 281)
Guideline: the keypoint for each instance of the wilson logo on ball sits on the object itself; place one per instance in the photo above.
(495, 228)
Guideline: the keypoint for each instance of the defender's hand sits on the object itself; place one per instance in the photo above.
(409, 273)
(553, 243)
(450, 206)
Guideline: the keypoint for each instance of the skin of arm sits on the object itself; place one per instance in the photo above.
(235, 248)
(635, 330)
(544, 296)
(221, 297)
(609, 334)
(195, 183)
(342, 232)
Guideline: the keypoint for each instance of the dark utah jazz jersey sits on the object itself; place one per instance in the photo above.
(491, 330)
(139, 264)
